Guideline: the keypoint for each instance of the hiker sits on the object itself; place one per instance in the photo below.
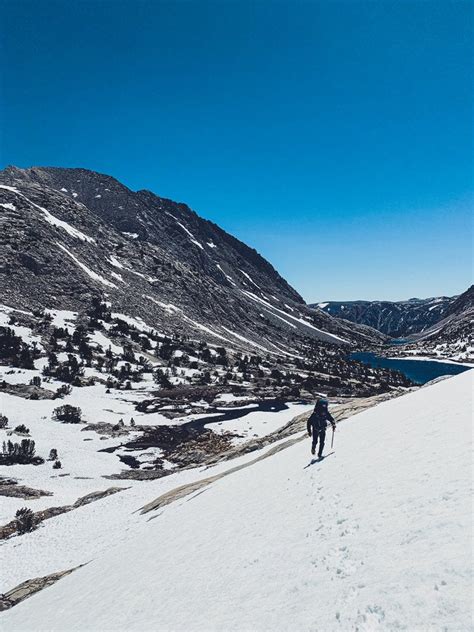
(317, 423)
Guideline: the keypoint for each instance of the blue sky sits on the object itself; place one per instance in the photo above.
(334, 137)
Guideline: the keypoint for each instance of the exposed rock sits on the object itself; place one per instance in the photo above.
(30, 587)
(9, 487)
(27, 391)
(11, 527)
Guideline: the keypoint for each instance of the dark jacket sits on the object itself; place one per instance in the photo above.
(319, 418)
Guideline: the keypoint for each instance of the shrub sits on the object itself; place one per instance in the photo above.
(3, 421)
(53, 454)
(23, 429)
(57, 465)
(25, 520)
(35, 381)
(132, 422)
(162, 379)
(68, 414)
(63, 390)
(21, 453)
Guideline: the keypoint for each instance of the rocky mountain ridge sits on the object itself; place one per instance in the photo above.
(396, 319)
(439, 327)
(71, 234)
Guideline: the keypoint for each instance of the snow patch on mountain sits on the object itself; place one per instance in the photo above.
(93, 275)
(49, 217)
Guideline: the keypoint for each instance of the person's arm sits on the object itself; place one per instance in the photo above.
(308, 425)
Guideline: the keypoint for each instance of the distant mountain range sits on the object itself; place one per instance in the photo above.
(430, 323)
(394, 318)
(71, 234)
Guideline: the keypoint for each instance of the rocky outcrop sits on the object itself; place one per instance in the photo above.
(30, 587)
(9, 487)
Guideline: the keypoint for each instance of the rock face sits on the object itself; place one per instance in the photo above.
(456, 326)
(395, 319)
(71, 234)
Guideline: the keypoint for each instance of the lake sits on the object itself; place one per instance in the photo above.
(419, 371)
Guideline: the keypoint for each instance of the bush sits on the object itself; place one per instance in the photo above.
(53, 454)
(23, 429)
(68, 414)
(162, 379)
(35, 381)
(63, 390)
(25, 520)
(22, 453)
(57, 465)
(3, 421)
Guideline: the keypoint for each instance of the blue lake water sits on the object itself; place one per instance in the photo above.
(419, 371)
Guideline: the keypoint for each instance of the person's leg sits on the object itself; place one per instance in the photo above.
(315, 441)
(322, 437)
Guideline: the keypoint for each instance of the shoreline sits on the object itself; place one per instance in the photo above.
(430, 359)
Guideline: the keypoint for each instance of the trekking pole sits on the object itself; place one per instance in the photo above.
(332, 439)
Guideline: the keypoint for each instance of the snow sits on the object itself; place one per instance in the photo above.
(250, 342)
(79, 457)
(429, 359)
(54, 221)
(229, 278)
(365, 540)
(211, 244)
(130, 235)
(93, 275)
(258, 423)
(9, 206)
(100, 339)
(62, 317)
(323, 305)
(117, 276)
(294, 318)
(250, 279)
(206, 329)
(137, 322)
(25, 333)
(193, 239)
(115, 262)
(168, 307)
(139, 274)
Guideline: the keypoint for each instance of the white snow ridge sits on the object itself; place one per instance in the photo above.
(375, 537)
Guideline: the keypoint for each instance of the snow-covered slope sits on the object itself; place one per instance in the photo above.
(375, 537)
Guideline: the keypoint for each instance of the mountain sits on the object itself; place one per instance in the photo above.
(395, 319)
(69, 235)
(374, 537)
(439, 326)
(453, 335)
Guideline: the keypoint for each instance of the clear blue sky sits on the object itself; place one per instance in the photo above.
(334, 137)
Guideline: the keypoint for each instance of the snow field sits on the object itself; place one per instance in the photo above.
(375, 537)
